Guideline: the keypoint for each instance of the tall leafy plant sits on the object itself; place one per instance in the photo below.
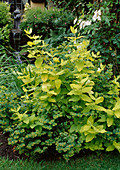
(63, 106)
(101, 26)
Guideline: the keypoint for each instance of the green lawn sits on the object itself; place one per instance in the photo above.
(108, 161)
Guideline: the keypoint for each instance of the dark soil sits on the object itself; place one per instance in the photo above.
(6, 150)
(9, 151)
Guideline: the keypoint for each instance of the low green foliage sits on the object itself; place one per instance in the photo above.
(52, 24)
(62, 103)
(7, 101)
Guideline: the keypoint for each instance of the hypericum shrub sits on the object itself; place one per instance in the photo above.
(5, 15)
(52, 24)
(101, 26)
(65, 108)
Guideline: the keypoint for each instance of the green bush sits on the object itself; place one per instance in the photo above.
(71, 5)
(5, 15)
(6, 24)
(65, 105)
(103, 31)
(4, 35)
(7, 101)
(52, 24)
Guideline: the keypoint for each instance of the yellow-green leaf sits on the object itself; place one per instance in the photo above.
(117, 113)
(73, 30)
(85, 128)
(56, 60)
(109, 112)
(86, 89)
(50, 93)
(117, 145)
(43, 97)
(109, 121)
(90, 137)
(74, 98)
(84, 80)
(51, 100)
(24, 89)
(102, 119)
(92, 97)
(60, 72)
(53, 77)
(28, 31)
(73, 128)
(99, 108)
(75, 86)
(117, 105)
(99, 100)
(44, 77)
(90, 120)
(80, 65)
(58, 83)
(110, 148)
(63, 62)
(28, 80)
(91, 131)
(38, 62)
(99, 129)
(46, 87)
(30, 43)
(84, 97)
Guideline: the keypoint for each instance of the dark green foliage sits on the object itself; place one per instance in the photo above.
(7, 101)
(5, 15)
(53, 24)
(75, 6)
(104, 35)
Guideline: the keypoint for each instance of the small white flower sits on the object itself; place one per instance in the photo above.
(98, 69)
(87, 23)
(99, 18)
(75, 20)
(79, 46)
(79, 21)
(96, 15)
(99, 12)
(82, 24)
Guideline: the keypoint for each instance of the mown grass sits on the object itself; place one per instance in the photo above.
(104, 161)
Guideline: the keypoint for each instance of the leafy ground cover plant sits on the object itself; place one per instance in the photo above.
(101, 26)
(63, 107)
(52, 24)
